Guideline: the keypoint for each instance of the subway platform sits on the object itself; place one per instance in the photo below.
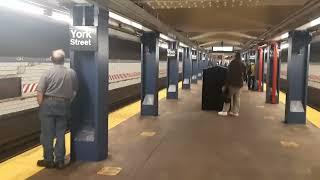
(184, 142)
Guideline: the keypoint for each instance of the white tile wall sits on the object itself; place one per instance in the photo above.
(31, 72)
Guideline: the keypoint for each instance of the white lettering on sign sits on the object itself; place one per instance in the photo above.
(78, 34)
(83, 38)
(76, 42)
(171, 53)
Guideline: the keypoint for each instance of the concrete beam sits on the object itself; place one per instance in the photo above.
(238, 34)
(131, 10)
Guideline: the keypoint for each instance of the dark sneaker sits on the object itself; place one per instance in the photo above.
(46, 164)
(60, 165)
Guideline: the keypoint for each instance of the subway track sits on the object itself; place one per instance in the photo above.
(313, 94)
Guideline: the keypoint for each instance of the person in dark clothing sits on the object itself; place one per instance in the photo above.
(251, 76)
(234, 83)
(56, 89)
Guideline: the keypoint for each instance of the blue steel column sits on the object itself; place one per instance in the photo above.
(150, 73)
(194, 79)
(200, 65)
(186, 68)
(173, 72)
(206, 61)
(298, 64)
(89, 125)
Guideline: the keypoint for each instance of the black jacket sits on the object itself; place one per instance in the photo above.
(236, 69)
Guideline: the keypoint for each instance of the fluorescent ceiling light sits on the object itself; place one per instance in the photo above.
(163, 45)
(315, 22)
(61, 17)
(125, 20)
(310, 24)
(284, 36)
(222, 48)
(183, 45)
(284, 46)
(162, 36)
(306, 26)
(22, 6)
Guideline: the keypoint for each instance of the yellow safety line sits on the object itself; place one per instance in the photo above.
(313, 115)
(24, 166)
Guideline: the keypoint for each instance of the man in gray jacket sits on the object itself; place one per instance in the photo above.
(56, 89)
(234, 83)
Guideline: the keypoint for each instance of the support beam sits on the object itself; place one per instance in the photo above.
(89, 125)
(231, 33)
(172, 70)
(310, 10)
(195, 57)
(149, 73)
(130, 9)
(200, 64)
(186, 68)
(226, 41)
(260, 69)
(273, 74)
(298, 65)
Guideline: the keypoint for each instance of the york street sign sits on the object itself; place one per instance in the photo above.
(171, 53)
(83, 38)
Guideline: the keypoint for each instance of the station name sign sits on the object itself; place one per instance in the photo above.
(83, 38)
(171, 53)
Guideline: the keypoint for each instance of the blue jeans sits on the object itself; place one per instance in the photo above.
(53, 115)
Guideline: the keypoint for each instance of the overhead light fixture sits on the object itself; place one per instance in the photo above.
(310, 24)
(162, 36)
(125, 20)
(61, 17)
(281, 37)
(285, 35)
(163, 45)
(315, 22)
(20, 6)
(182, 45)
(223, 48)
(306, 26)
(284, 46)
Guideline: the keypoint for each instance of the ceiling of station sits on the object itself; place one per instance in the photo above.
(210, 22)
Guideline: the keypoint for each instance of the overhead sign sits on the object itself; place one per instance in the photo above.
(222, 48)
(171, 53)
(83, 38)
(194, 56)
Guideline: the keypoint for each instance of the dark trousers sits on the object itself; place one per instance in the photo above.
(53, 115)
(251, 82)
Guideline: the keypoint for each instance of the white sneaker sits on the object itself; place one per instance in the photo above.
(222, 113)
(234, 114)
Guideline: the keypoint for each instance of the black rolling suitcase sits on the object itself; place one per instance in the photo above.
(213, 80)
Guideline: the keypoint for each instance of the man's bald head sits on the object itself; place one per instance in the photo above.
(58, 56)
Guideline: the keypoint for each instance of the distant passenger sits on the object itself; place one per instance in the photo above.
(56, 89)
(251, 76)
(234, 83)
